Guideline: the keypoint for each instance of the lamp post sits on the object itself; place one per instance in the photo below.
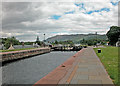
(44, 39)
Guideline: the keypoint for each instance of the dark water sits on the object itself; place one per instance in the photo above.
(30, 70)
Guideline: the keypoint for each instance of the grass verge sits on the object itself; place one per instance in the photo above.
(16, 49)
(109, 58)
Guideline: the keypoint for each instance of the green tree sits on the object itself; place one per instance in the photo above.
(28, 43)
(56, 42)
(10, 41)
(3, 40)
(92, 42)
(113, 35)
(38, 41)
(83, 41)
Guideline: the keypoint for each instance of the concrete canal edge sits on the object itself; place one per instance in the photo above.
(15, 55)
(62, 73)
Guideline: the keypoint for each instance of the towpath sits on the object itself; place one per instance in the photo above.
(84, 69)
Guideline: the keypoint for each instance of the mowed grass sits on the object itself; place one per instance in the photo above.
(16, 49)
(109, 58)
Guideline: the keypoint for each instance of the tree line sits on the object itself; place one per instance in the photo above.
(113, 36)
(12, 40)
(8, 41)
(93, 42)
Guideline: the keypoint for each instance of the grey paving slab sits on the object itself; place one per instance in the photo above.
(82, 77)
(84, 66)
(83, 73)
(82, 70)
(74, 81)
(89, 82)
(93, 73)
(90, 70)
(97, 77)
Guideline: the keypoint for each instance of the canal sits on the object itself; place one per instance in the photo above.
(30, 70)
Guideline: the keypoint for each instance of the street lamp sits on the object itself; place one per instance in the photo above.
(44, 37)
(44, 40)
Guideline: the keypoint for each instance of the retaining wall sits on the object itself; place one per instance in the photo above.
(7, 56)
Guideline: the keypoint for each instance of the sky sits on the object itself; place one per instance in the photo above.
(27, 20)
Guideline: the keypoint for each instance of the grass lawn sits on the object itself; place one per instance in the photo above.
(16, 49)
(109, 58)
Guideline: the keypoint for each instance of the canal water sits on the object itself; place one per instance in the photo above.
(30, 70)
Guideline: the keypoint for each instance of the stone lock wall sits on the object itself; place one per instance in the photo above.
(6, 56)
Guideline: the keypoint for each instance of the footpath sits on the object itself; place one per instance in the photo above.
(83, 69)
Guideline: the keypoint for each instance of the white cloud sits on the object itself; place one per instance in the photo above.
(34, 18)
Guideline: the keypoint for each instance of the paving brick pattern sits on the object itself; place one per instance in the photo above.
(90, 70)
(82, 69)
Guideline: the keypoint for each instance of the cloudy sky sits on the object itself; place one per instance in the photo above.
(26, 20)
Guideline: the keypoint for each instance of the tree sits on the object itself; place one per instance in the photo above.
(10, 41)
(113, 35)
(83, 41)
(38, 41)
(28, 43)
(91, 42)
(56, 42)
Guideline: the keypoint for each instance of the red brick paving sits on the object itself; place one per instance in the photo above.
(82, 68)
(57, 74)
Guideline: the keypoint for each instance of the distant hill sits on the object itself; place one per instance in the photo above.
(76, 37)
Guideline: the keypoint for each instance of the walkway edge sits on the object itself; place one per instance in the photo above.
(60, 72)
(103, 66)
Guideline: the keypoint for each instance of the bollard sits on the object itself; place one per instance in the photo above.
(99, 50)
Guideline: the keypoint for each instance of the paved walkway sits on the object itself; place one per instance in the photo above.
(89, 71)
(84, 69)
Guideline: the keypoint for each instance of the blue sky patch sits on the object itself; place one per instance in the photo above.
(81, 5)
(70, 12)
(77, 4)
(114, 3)
(56, 17)
(103, 9)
